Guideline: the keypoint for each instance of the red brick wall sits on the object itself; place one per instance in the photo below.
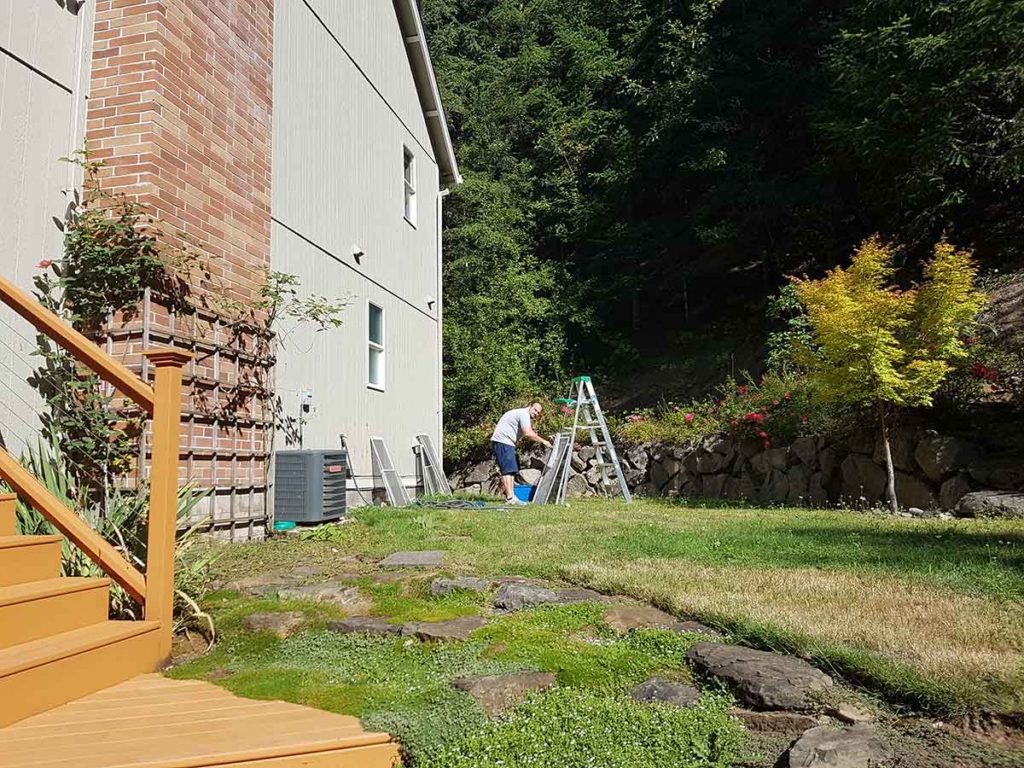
(180, 114)
(180, 111)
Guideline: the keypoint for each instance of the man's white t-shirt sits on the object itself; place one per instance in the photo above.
(510, 426)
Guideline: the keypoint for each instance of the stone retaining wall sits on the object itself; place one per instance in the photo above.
(933, 473)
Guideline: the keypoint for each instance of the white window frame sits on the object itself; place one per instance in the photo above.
(379, 348)
(409, 185)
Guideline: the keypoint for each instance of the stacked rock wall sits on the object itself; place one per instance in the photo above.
(933, 473)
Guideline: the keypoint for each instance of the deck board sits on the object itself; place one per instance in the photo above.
(153, 722)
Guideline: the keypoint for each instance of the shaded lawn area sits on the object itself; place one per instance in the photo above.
(927, 612)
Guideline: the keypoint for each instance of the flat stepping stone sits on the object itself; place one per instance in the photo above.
(365, 625)
(774, 722)
(573, 595)
(625, 618)
(517, 596)
(849, 714)
(345, 596)
(759, 679)
(447, 631)
(667, 692)
(496, 693)
(281, 623)
(826, 747)
(443, 587)
(430, 558)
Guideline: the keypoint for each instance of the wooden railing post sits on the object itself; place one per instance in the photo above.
(163, 490)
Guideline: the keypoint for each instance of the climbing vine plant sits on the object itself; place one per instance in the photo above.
(114, 251)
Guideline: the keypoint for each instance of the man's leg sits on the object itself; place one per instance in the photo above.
(508, 484)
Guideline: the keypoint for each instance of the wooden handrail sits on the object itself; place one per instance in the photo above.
(98, 549)
(155, 589)
(83, 350)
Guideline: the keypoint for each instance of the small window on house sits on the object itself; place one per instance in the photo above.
(375, 347)
(409, 181)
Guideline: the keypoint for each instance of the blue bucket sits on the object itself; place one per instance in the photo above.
(525, 492)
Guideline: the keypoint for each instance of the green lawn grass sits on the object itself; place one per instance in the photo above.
(927, 612)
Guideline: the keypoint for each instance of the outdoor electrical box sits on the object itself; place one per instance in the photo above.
(310, 486)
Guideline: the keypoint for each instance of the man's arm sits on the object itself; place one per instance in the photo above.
(531, 434)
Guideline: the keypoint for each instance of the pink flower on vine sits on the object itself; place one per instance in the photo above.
(45, 263)
(689, 418)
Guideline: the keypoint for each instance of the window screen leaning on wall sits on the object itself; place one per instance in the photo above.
(375, 347)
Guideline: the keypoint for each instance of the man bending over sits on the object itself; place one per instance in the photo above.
(513, 425)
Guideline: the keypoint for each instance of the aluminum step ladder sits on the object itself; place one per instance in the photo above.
(587, 417)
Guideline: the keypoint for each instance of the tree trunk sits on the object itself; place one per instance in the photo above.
(890, 484)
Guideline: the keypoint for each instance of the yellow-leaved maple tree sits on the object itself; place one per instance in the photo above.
(882, 348)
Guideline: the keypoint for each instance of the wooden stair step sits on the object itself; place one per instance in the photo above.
(45, 673)
(29, 558)
(206, 726)
(49, 607)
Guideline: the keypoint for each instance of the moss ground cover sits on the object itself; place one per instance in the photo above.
(405, 687)
(928, 612)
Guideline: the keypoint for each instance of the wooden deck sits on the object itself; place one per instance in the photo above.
(153, 722)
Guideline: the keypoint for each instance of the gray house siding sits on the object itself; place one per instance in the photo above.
(44, 56)
(345, 108)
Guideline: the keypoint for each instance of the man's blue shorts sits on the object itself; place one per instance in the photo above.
(505, 455)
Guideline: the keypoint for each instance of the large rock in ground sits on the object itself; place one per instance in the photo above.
(827, 747)
(901, 446)
(623, 618)
(806, 450)
(776, 487)
(530, 476)
(364, 625)
(281, 623)
(940, 456)
(448, 631)
(479, 473)
(713, 486)
(799, 485)
(759, 679)
(637, 456)
(712, 463)
(1004, 504)
(666, 692)
(578, 486)
(573, 595)
(952, 491)
(862, 478)
(441, 587)
(1005, 473)
(345, 596)
(913, 492)
(496, 693)
(774, 722)
(516, 597)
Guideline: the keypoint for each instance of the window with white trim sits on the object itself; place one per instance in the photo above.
(409, 184)
(375, 347)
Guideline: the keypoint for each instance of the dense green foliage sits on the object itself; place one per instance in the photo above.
(576, 729)
(637, 168)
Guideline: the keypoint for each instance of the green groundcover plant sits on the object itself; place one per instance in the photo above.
(577, 729)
